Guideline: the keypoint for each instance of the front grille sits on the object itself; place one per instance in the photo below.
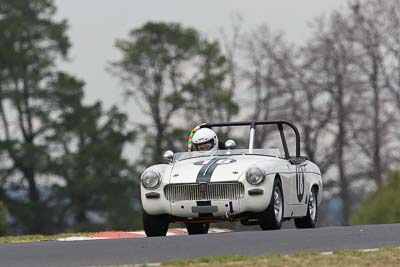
(213, 191)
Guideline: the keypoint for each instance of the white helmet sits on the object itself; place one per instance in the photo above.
(205, 139)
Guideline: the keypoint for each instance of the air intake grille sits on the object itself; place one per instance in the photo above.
(212, 191)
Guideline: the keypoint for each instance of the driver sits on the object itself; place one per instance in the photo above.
(205, 139)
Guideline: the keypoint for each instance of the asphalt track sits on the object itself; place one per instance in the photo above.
(160, 249)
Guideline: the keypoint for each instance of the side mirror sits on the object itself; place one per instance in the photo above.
(229, 144)
(168, 156)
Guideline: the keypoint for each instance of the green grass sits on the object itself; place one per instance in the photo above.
(383, 257)
(38, 238)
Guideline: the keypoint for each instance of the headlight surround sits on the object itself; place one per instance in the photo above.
(151, 179)
(255, 176)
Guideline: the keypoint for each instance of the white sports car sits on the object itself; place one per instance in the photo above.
(253, 186)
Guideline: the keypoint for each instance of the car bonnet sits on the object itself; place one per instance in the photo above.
(212, 169)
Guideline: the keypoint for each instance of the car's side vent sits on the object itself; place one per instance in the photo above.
(210, 191)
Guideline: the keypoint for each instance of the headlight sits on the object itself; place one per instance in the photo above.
(151, 179)
(255, 176)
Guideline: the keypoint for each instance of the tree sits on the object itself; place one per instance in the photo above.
(87, 145)
(388, 23)
(231, 45)
(30, 43)
(347, 54)
(171, 70)
(390, 33)
(337, 59)
(311, 106)
(267, 75)
(207, 99)
(62, 166)
(372, 130)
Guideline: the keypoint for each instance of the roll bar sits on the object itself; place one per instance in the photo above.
(253, 125)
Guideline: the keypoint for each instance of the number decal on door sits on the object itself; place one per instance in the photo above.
(300, 183)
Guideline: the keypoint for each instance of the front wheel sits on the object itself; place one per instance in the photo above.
(310, 220)
(155, 225)
(197, 228)
(272, 217)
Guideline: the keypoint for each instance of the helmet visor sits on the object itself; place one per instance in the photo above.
(206, 146)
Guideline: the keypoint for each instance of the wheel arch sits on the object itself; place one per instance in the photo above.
(316, 186)
(278, 176)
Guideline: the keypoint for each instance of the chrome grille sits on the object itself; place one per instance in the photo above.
(213, 191)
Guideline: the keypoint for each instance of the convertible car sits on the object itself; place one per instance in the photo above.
(253, 185)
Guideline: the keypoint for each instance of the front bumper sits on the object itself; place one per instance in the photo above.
(254, 199)
(205, 208)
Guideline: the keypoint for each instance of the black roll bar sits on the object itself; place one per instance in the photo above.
(253, 125)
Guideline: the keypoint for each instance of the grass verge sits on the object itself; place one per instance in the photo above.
(383, 257)
(38, 238)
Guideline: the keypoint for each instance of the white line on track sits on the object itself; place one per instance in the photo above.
(369, 250)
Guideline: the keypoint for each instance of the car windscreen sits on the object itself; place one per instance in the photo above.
(274, 152)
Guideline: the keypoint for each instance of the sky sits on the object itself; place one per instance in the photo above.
(96, 24)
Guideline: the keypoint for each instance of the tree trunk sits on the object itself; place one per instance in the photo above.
(377, 135)
(341, 143)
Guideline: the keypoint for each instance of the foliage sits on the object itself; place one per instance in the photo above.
(173, 73)
(31, 42)
(382, 206)
(335, 87)
(90, 144)
(62, 166)
(3, 219)
(61, 162)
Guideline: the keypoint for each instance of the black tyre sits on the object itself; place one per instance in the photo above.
(197, 228)
(155, 225)
(310, 220)
(272, 217)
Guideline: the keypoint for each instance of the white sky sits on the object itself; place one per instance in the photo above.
(95, 24)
